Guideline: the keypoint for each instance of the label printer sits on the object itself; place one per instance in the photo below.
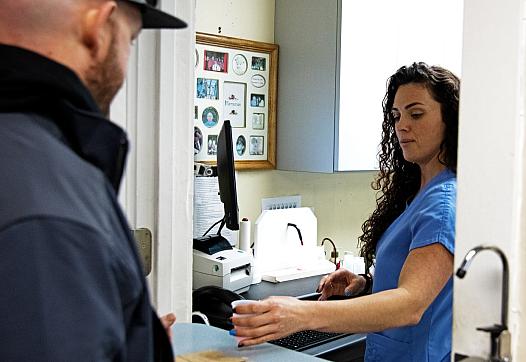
(217, 263)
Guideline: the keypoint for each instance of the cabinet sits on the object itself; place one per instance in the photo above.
(335, 58)
(306, 32)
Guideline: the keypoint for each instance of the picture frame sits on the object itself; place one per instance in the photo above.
(236, 80)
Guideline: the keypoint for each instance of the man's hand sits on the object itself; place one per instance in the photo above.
(341, 282)
(167, 321)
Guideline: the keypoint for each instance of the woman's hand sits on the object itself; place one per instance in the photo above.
(272, 318)
(341, 282)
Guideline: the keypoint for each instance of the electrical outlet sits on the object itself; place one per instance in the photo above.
(282, 202)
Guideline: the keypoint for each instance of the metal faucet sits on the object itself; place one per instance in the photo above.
(500, 336)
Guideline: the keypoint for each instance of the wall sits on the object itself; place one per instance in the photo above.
(252, 19)
(491, 185)
(341, 201)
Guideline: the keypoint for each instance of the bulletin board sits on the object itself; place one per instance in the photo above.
(235, 80)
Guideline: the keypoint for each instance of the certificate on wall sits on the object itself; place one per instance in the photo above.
(234, 103)
(235, 80)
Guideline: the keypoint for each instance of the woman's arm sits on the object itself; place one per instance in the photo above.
(424, 274)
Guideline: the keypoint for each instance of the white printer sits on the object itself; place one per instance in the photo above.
(217, 263)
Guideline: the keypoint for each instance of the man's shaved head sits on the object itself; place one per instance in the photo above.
(41, 19)
(52, 28)
(91, 37)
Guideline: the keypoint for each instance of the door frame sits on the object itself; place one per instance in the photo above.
(491, 172)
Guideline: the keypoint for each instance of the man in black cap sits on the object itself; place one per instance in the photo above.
(72, 283)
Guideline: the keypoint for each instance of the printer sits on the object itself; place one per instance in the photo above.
(217, 263)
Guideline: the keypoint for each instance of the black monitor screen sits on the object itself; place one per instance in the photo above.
(227, 176)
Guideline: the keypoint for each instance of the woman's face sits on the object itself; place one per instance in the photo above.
(209, 117)
(418, 124)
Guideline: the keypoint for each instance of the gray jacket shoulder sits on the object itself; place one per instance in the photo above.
(43, 177)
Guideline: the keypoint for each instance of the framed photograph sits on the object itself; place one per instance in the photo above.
(198, 140)
(210, 117)
(257, 100)
(236, 80)
(212, 145)
(259, 63)
(207, 88)
(258, 121)
(257, 145)
(241, 145)
(216, 61)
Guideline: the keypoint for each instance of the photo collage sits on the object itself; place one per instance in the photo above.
(231, 84)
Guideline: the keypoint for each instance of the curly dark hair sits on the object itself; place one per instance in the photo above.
(398, 180)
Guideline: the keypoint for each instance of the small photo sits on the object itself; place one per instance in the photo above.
(259, 63)
(216, 61)
(210, 117)
(256, 145)
(196, 113)
(258, 121)
(241, 145)
(212, 145)
(257, 100)
(207, 88)
(198, 140)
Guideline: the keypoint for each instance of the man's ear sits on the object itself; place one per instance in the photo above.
(97, 28)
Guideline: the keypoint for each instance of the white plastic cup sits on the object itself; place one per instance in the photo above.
(234, 304)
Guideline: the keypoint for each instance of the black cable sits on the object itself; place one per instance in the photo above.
(333, 248)
(223, 222)
(297, 229)
(211, 227)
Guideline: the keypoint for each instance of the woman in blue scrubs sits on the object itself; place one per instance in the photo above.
(408, 316)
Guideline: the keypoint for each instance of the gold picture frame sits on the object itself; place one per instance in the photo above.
(236, 80)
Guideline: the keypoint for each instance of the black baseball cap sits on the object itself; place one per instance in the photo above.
(152, 18)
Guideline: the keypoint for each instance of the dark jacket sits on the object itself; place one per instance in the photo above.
(72, 283)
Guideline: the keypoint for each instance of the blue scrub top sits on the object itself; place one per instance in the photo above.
(428, 219)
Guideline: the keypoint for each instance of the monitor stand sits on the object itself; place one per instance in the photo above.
(211, 244)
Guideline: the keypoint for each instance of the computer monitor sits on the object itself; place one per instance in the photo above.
(227, 177)
(214, 243)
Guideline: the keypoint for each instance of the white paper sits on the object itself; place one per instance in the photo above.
(208, 208)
